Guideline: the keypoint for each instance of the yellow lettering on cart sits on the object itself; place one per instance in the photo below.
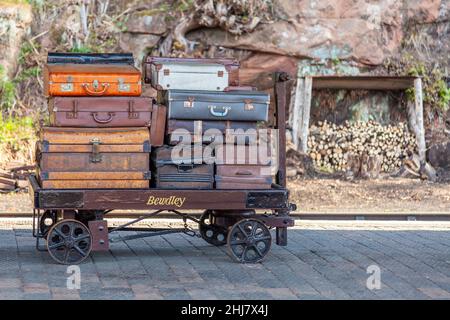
(166, 201)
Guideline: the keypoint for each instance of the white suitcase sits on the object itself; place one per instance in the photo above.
(191, 74)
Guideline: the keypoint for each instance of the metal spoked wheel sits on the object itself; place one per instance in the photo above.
(47, 221)
(249, 241)
(210, 232)
(69, 242)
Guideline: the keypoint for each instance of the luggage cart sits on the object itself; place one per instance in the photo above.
(72, 222)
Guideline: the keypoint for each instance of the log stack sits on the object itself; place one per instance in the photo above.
(333, 147)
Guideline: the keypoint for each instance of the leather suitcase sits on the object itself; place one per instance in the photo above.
(190, 73)
(102, 112)
(79, 158)
(90, 58)
(206, 105)
(182, 174)
(240, 132)
(256, 154)
(243, 177)
(91, 80)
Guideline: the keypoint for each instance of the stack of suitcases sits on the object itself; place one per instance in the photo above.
(203, 95)
(103, 134)
(101, 130)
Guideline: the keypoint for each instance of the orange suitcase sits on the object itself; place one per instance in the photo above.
(92, 80)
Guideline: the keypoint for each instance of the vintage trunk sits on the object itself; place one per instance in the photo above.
(98, 112)
(82, 158)
(90, 58)
(207, 105)
(91, 80)
(187, 131)
(191, 74)
(243, 177)
(185, 172)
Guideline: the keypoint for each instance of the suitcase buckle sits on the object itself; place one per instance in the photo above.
(95, 156)
(131, 113)
(74, 113)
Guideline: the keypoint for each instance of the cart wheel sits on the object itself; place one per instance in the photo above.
(48, 220)
(69, 242)
(249, 241)
(210, 232)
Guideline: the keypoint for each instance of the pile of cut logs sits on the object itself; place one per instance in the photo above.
(14, 178)
(332, 146)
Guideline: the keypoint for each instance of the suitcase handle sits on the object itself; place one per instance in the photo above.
(93, 92)
(183, 168)
(217, 113)
(244, 173)
(109, 119)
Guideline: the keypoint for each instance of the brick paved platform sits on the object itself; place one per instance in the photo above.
(322, 261)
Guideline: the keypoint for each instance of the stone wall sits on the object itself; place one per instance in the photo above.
(15, 21)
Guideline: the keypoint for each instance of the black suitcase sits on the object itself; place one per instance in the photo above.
(90, 58)
(186, 173)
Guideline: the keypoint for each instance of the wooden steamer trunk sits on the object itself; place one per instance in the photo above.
(191, 74)
(91, 80)
(85, 158)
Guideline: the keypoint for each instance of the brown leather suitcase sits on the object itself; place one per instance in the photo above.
(239, 132)
(181, 173)
(103, 112)
(85, 158)
(92, 80)
(256, 154)
(243, 177)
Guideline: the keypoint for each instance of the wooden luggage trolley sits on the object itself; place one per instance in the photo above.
(71, 221)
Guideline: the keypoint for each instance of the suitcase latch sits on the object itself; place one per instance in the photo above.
(220, 74)
(248, 105)
(124, 87)
(95, 156)
(66, 87)
(189, 103)
(166, 72)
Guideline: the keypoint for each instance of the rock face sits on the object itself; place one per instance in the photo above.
(356, 30)
(14, 22)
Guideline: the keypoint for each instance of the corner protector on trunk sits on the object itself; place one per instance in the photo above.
(147, 146)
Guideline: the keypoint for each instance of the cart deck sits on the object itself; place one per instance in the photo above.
(157, 199)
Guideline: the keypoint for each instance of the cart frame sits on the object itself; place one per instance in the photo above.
(227, 209)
